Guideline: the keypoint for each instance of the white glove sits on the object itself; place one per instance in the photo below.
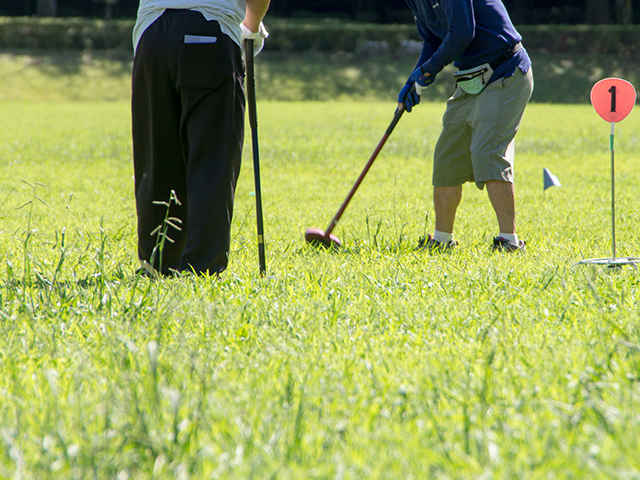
(419, 89)
(257, 37)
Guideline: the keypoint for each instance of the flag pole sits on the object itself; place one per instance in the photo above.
(613, 189)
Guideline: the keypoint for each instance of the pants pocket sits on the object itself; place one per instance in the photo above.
(204, 60)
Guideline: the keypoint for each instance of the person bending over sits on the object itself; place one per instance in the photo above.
(494, 83)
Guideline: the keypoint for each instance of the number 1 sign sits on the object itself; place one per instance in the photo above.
(613, 99)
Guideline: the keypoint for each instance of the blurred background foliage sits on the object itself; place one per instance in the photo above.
(387, 11)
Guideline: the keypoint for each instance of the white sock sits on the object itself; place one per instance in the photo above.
(512, 237)
(442, 237)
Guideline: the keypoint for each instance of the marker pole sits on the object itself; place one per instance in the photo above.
(613, 189)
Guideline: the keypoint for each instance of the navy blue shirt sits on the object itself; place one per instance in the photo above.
(468, 33)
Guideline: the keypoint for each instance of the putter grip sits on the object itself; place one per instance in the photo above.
(251, 83)
(396, 118)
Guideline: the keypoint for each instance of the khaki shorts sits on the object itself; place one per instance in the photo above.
(477, 139)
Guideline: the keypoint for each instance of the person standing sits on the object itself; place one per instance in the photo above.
(188, 127)
(494, 85)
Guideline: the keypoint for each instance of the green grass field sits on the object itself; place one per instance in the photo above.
(374, 362)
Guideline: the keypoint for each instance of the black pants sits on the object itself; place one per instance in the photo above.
(188, 130)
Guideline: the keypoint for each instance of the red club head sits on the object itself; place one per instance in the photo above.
(318, 238)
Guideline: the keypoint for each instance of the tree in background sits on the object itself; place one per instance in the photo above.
(624, 12)
(522, 11)
(519, 8)
(598, 11)
(366, 8)
(47, 8)
(108, 8)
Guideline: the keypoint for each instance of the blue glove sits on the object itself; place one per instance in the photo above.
(410, 93)
(408, 96)
(421, 78)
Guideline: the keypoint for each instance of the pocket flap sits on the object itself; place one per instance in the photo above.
(199, 39)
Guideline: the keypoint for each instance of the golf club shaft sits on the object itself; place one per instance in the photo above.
(343, 207)
(253, 121)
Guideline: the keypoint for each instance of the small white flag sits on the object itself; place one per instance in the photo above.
(549, 179)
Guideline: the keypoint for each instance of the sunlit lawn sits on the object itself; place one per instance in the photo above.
(373, 362)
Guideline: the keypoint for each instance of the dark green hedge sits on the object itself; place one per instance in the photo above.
(581, 39)
(63, 33)
(301, 35)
